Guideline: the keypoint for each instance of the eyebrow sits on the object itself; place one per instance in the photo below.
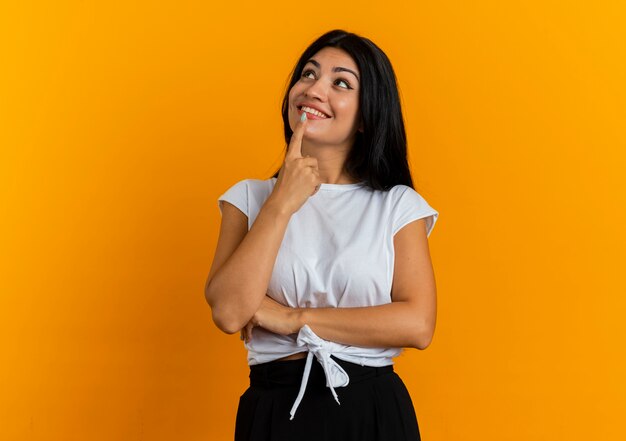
(335, 69)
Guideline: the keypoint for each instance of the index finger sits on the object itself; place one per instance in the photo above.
(295, 144)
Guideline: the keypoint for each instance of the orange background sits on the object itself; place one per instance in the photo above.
(121, 124)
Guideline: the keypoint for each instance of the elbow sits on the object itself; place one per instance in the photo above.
(422, 343)
(423, 337)
(227, 327)
(221, 317)
(224, 322)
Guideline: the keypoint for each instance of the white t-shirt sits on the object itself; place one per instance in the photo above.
(337, 252)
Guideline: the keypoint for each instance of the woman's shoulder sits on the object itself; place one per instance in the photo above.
(254, 184)
(248, 194)
(404, 192)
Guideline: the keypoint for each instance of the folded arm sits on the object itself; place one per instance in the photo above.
(408, 321)
(396, 324)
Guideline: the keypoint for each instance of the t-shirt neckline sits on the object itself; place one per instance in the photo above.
(340, 187)
(336, 187)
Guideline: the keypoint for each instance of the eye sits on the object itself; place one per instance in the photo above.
(341, 80)
(345, 82)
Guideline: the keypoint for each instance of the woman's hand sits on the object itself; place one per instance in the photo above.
(274, 317)
(299, 177)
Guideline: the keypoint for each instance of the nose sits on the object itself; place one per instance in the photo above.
(316, 90)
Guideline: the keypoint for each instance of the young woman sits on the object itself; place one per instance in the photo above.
(328, 259)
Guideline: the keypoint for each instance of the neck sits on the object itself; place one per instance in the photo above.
(331, 160)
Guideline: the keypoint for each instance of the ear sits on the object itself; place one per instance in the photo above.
(360, 129)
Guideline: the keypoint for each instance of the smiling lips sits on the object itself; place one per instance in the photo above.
(312, 113)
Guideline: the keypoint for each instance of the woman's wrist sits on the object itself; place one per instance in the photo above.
(277, 209)
(297, 319)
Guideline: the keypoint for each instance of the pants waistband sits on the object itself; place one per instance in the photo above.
(288, 373)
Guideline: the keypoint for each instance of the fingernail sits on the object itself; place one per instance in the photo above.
(303, 117)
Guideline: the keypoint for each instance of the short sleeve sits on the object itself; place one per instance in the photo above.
(236, 195)
(411, 206)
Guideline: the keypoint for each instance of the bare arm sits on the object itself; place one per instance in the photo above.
(244, 260)
(395, 324)
(238, 279)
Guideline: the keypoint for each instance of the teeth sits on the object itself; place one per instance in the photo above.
(313, 111)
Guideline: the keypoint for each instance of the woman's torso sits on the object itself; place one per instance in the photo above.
(337, 252)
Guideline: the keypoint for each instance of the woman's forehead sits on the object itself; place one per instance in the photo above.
(333, 57)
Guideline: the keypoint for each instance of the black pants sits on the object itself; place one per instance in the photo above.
(375, 405)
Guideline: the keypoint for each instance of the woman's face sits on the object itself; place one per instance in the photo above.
(330, 84)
